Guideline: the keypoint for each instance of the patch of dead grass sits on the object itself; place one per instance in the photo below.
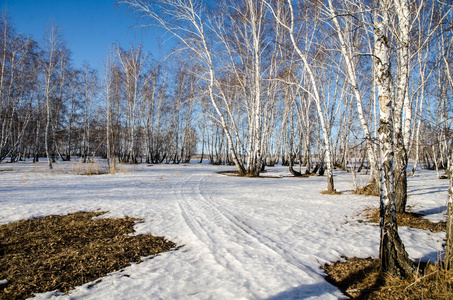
(228, 173)
(371, 189)
(236, 174)
(410, 219)
(360, 278)
(334, 192)
(89, 168)
(61, 252)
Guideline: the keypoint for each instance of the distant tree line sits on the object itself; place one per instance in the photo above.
(50, 108)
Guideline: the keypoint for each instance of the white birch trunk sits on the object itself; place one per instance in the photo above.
(347, 53)
(393, 257)
(449, 231)
(315, 94)
(52, 39)
(402, 129)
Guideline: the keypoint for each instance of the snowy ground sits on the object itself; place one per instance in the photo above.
(244, 238)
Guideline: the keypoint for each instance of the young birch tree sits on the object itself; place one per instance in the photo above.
(346, 37)
(53, 45)
(288, 22)
(408, 13)
(89, 93)
(423, 44)
(109, 81)
(133, 64)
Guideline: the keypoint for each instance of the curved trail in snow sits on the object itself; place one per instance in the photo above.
(245, 238)
(235, 244)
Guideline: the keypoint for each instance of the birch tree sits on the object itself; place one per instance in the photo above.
(60, 98)
(242, 33)
(402, 100)
(392, 254)
(288, 22)
(74, 95)
(90, 89)
(109, 81)
(133, 64)
(347, 38)
(423, 44)
(53, 46)
(448, 260)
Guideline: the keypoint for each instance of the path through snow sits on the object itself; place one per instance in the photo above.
(244, 238)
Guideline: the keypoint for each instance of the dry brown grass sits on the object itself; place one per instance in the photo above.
(334, 192)
(89, 168)
(371, 189)
(406, 219)
(236, 174)
(61, 252)
(359, 278)
(127, 168)
(123, 168)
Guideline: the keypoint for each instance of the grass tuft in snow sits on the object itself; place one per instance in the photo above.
(360, 278)
(61, 252)
(410, 219)
(371, 189)
(334, 192)
(90, 168)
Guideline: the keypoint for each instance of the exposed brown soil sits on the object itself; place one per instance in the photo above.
(61, 252)
(359, 278)
(410, 219)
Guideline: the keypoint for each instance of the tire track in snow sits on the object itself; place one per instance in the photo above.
(189, 214)
(200, 222)
(207, 219)
(249, 231)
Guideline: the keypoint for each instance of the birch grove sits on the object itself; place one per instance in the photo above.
(249, 83)
(361, 86)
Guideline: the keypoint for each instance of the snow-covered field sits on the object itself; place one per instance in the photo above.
(244, 238)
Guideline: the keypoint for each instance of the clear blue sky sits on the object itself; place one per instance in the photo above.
(90, 27)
